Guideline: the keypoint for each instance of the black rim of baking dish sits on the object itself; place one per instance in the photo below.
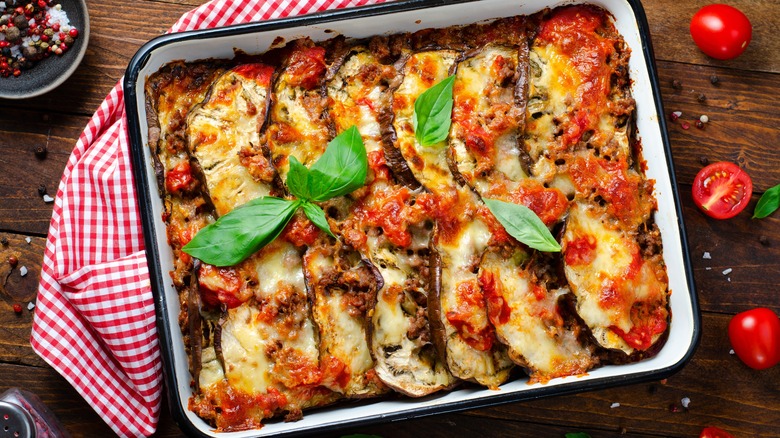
(145, 189)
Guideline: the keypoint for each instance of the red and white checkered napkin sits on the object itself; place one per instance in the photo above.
(94, 320)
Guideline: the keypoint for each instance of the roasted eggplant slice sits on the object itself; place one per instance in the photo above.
(224, 137)
(458, 312)
(487, 117)
(526, 313)
(391, 226)
(621, 288)
(357, 93)
(341, 288)
(298, 124)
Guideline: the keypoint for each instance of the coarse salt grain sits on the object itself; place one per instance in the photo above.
(23, 271)
(677, 113)
(704, 118)
(708, 268)
(28, 240)
(685, 401)
(614, 405)
(727, 271)
(731, 351)
(47, 199)
(706, 255)
(30, 305)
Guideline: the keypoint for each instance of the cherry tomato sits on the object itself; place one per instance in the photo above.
(722, 190)
(755, 337)
(714, 432)
(721, 31)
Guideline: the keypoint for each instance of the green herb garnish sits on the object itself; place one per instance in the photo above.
(523, 224)
(577, 435)
(340, 170)
(246, 229)
(433, 113)
(768, 203)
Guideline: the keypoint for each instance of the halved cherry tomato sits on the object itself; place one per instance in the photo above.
(755, 337)
(714, 432)
(721, 31)
(722, 190)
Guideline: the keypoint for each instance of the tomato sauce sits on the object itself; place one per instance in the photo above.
(580, 251)
(220, 286)
(573, 31)
(464, 317)
(499, 311)
(646, 326)
(306, 66)
(179, 179)
(300, 231)
(549, 204)
(257, 72)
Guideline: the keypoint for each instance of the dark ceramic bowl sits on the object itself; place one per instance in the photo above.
(51, 72)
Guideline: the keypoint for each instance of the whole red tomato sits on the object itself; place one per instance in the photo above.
(755, 337)
(721, 31)
(714, 432)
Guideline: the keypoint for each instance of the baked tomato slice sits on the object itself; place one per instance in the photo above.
(722, 190)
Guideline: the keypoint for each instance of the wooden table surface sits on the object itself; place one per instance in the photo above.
(744, 128)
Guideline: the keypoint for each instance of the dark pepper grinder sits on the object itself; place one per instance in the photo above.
(23, 415)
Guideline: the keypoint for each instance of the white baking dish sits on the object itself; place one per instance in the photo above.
(391, 18)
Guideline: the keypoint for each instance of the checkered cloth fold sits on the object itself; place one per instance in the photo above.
(94, 320)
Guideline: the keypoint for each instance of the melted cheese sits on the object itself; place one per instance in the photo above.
(244, 342)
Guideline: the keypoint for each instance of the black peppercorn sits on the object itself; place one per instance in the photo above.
(704, 161)
(41, 190)
(764, 240)
(676, 84)
(701, 98)
(714, 80)
(4, 241)
(41, 151)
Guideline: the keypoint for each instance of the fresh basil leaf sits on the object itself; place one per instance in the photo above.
(238, 234)
(317, 216)
(433, 113)
(523, 224)
(341, 169)
(577, 435)
(768, 203)
(298, 179)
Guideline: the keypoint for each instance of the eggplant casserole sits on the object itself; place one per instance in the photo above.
(423, 288)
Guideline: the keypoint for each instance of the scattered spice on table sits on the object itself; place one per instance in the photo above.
(30, 31)
(40, 152)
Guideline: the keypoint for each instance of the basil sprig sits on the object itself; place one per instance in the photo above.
(433, 113)
(523, 224)
(340, 170)
(768, 203)
(244, 230)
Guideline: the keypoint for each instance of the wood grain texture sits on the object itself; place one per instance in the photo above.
(744, 128)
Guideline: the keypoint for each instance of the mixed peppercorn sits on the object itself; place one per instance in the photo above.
(32, 30)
